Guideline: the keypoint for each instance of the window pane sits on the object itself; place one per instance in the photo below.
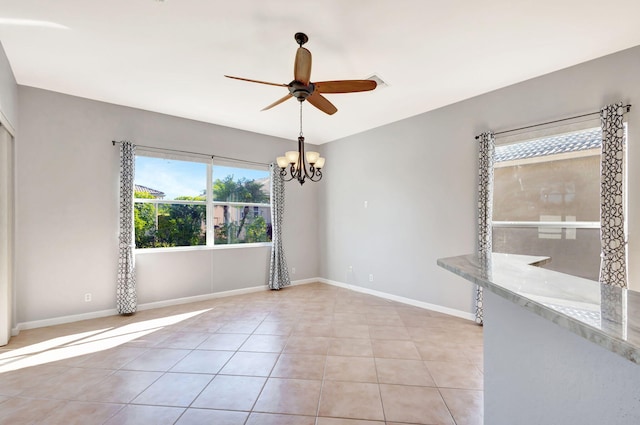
(572, 251)
(241, 224)
(236, 184)
(145, 224)
(550, 179)
(169, 179)
(169, 225)
(562, 188)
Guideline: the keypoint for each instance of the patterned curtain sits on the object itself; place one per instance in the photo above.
(485, 207)
(126, 300)
(612, 237)
(278, 271)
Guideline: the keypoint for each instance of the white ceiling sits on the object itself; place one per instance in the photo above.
(170, 56)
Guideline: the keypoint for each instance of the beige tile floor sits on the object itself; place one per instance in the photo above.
(306, 355)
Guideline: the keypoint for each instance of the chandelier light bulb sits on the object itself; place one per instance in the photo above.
(292, 156)
(282, 161)
(312, 157)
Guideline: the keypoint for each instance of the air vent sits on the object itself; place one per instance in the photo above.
(381, 83)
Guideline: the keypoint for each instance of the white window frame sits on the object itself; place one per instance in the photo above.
(209, 203)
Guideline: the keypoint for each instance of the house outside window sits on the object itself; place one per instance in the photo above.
(183, 201)
(547, 200)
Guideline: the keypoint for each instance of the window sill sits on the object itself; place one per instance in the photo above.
(201, 248)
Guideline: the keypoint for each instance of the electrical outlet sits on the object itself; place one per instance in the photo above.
(87, 297)
(366, 204)
(371, 277)
(293, 270)
(350, 269)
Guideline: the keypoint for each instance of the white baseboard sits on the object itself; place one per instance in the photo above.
(305, 281)
(203, 297)
(146, 306)
(61, 320)
(403, 300)
(167, 303)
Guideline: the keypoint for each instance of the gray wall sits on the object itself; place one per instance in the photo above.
(67, 171)
(419, 178)
(8, 92)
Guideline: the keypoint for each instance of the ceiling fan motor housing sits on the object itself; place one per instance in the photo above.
(301, 91)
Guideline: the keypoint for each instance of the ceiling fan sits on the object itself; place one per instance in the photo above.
(303, 89)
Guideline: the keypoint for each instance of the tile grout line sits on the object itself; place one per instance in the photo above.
(270, 372)
(324, 371)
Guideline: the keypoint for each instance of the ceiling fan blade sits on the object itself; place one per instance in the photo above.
(277, 102)
(345, 86)
(256, 81)
(302, 66)
(322, 103)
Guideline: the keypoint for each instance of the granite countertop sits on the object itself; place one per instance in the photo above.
(605, 315)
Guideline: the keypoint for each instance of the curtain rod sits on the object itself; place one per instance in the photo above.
(113, 142)
(627, 107)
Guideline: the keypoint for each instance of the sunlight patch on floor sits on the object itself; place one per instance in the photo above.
(79, 344)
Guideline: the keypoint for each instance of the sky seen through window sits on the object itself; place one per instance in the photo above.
(161, 174)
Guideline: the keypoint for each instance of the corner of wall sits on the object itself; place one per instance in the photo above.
(8, 94)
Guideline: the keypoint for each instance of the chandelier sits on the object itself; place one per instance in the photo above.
(297, 161)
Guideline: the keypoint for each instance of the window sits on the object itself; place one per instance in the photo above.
(547, 200)
(188, 201)
(241, 205)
